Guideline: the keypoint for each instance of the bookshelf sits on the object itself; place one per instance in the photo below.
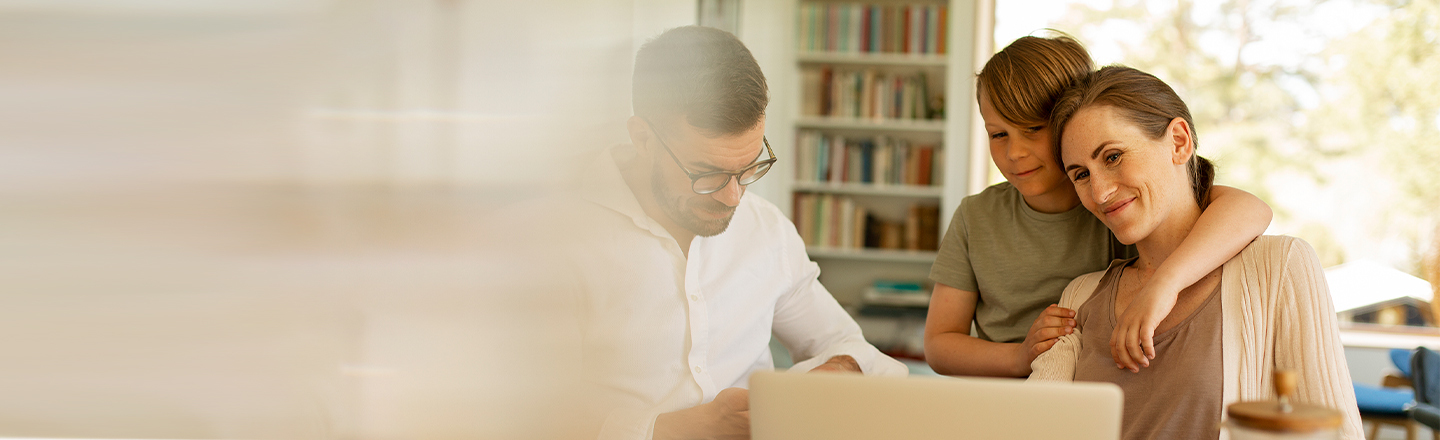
(882, 255)
(873, 58)
(894, 125)
(862, 189)
(932, 90)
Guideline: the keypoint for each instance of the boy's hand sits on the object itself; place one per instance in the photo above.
(1054, 322)
(1132, 343)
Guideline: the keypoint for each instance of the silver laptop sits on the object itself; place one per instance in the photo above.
(788, 406)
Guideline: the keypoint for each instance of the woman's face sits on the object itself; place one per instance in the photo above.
(1025, 156)
(1129, 181)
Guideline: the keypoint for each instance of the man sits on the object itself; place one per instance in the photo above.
(691, 276)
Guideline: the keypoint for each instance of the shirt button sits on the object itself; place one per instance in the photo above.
(695, 298)
(697, 369)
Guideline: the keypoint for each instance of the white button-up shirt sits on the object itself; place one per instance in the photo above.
(665, 333)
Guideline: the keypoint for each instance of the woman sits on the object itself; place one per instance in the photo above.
(1127, 143)
(1010, 250)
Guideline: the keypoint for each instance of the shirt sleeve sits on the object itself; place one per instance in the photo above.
(813, 326)
(1307, 338)
(952, 264)
(1058, 363)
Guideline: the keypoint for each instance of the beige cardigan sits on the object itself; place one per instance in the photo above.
(1277, 314)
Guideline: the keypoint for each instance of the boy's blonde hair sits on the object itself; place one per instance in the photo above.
(1024, 80)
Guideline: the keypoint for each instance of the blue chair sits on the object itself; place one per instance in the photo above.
(1425, 376)
(1390, 403)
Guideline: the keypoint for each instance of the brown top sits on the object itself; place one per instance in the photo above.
(1179, 395)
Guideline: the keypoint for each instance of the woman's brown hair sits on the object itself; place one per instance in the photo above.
(1143, 100)
(1024, 79)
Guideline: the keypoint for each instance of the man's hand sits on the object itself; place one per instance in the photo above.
(841, 364)
(1132, 343)
(1054, 322)
(725, 418)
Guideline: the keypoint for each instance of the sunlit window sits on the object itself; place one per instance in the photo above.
(1329, 111)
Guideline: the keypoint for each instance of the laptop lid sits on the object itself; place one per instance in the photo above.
(786, 406)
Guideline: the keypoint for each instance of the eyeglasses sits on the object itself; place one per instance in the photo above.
(706, 183)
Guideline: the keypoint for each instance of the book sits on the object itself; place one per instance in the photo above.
(880, 160)
(897, 293)
(844, 222)
(868, 93)
(918, 28)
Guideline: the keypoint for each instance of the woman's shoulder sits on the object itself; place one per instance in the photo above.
(1277, 248)
(1080, 289)
(1270, 260)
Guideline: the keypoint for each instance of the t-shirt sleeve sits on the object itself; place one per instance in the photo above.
(952, 265)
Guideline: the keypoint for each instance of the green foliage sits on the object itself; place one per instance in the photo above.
(1369, 100)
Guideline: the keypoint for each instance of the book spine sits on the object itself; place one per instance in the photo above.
(944, 29)
(802, 27)
(908, 23)
(865, 28)
(922, 96)
(924, 29)
(832, 223)
(858, 233)
(912, 228)
(822, 206)
(804, 223)
(857, 24)
(937, 176)
(897, 29)
(916, 28)
(924, 167)
(874, 28)
(867, 163)
(902, 156)
(832, 27)
(853, 163)
(822, 162)
(827, 81)
(867, 94)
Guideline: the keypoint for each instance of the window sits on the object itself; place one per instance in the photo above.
(1330, 112)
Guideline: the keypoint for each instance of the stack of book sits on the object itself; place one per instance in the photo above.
(868, 93)
(855, 27)
(879, 160)
(833, 221)
(897, 294)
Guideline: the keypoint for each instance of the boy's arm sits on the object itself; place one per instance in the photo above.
(1233, 219)
(951, 350)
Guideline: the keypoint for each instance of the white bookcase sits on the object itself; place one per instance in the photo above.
(848, 272)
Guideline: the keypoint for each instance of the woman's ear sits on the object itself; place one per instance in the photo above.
(1181, 140)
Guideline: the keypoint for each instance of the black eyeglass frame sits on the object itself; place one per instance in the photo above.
(695, 177)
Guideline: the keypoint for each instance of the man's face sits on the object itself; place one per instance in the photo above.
(708, 214)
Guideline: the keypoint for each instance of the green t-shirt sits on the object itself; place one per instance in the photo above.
(1018, 259)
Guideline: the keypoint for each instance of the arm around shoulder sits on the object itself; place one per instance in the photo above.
(1058, 363)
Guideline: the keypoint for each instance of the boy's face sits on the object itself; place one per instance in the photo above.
(1025, 156)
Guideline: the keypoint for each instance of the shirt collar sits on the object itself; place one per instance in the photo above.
(603, 185)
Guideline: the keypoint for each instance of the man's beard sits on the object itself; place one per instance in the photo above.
(684, 215)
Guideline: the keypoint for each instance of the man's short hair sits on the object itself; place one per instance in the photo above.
(704, 75)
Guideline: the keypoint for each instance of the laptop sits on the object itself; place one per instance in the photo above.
(788, 406)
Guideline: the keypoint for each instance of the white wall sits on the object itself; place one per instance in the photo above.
(234, 219)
